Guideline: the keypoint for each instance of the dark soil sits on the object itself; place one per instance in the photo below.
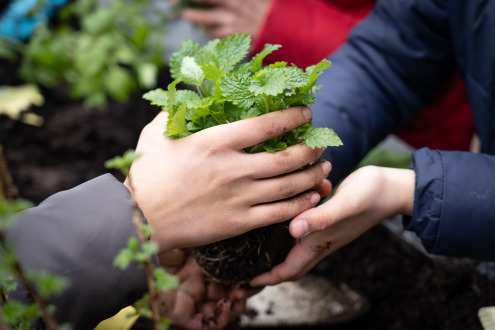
(406, 290)
(239, 259)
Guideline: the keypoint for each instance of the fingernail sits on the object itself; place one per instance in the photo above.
(307, 113)
(300, 228)
(326, 167)
(315, 198)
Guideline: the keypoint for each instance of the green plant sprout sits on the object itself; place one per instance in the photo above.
(97, 51)
(40, 285)
(140, 249)
(227, 90)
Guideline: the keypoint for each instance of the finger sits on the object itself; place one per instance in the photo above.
(267, 165)
(251, 131)
(301, 259)
(270, 213)
(324, 188)
(233, 4)
(209, 17)
(221, 30)
(215, 291)
(290, 185)
(222, 314)
(172, 260)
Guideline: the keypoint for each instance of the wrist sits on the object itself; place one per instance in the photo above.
(401, 184)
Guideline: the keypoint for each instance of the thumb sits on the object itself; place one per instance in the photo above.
(313, 220)
(307, 222)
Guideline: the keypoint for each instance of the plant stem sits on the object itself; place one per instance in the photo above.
(148, 266)
(266, 104)
(48, 319)
(200, 92)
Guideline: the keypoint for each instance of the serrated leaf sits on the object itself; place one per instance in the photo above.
(295, 77)
(187, 48)
(177, 124)
(257, 61)
(270, 82)
(208, 53)
(318, 137)
(172, 96)
(211, 72)
(299, 99)
(191, 72)
(236, 89)
(186, 96)
(157, 97)
(313, 72)
(233, 49)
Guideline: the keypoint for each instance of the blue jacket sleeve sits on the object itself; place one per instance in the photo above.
(454, 203)
(387, 71)
(76, 234)
(377, 81)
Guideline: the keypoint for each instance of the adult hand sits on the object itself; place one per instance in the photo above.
(363, 199)
(204, 188)
(227, 17)
(198, 303)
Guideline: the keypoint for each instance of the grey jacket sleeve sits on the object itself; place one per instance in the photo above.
(76, 234)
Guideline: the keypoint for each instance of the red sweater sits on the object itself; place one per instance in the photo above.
(310, 30)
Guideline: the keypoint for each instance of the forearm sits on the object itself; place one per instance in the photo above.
(76, 234)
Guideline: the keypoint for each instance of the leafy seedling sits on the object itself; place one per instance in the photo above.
(226, 87)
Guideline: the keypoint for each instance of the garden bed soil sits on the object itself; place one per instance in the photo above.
(405, 289)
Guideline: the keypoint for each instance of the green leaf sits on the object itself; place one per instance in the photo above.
(164, 281)
(188, 97)
(177, 124)
(274, 147)
(123, 259)
(236, 89)
(157, 97)
(313, 72)
(269, 82)
(122, 163)
(147, 74)
(257, 60)
(187, 48)
(322, 137)
(212, 72)
(295, 77)
(118, 83)
(147, 230)
(233, 49)
(191, 72)
(47, 284)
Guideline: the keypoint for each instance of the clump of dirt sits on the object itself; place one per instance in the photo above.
(238, 260)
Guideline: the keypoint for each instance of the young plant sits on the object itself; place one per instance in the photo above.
(227, 88)
(97, 51)
(40, 285)
(225, 91)
(140, 249)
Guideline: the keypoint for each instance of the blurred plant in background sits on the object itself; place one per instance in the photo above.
(97, 50)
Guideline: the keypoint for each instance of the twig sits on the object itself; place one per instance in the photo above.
(48, 319)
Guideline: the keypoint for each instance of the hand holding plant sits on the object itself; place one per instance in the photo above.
(363, 199)
(204, 188)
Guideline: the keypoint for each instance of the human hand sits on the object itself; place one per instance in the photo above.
(363, 199)
(198, 303)
(227, 17)
(204, 188)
